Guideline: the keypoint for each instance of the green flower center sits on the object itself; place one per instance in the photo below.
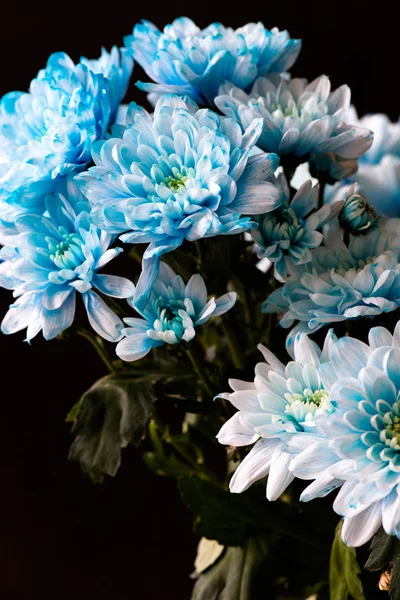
(357, 267)
(63, 247)
(391, 434)
(170, 315)
(281, 226)
(68, 253)
(307, 397)
(175, 184)
(178, 178)
(289, 111)
(303, 407)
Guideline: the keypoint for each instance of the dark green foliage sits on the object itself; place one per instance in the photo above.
(232, 518)
(385, 555)
(110, 415)
(344, 571)
(234, 575)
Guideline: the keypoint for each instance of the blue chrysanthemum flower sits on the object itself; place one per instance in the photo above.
(287, 235)
(49, 132)
(116, 66)
(364, 435)
(184, 59)
(378, 174)
(55, 257)
(183, 173)
(171, 315)
(302, 120)
(343, 282)
(357, 216)
(280, 412)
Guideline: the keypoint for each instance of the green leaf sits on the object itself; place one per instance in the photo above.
(219, 515)
(235, 575)
(385, 556)
(170, 465)
(110, 415)
(232, 518)
(157, 368)
(344, 581)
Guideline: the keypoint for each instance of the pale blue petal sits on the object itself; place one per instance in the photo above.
(314, 461)
(255, 466)
(148, 276)
(102, 319)
(56, 321)
(54, 296)
(234, 433)
(19, 316)
(358, 530)
(135, 347)
(224, 303)
(321, 487)
(113, 285)
(280, 475)
(197, 292)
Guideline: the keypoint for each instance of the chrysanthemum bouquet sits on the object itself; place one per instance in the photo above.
(181, 240)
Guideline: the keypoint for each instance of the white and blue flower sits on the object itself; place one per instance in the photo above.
(357, 216)
(378, 175)
(301, 120)
(279, 414)
(184, 59)
(54, 258)
(363, 382)
(287, 235)
(49, 132)
(171, 315)
(183, 173)
(116, 66)
(343, 282)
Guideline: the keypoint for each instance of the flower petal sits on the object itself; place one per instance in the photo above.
(103, 320)
(255, 466)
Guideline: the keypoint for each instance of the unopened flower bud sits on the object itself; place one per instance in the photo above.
(357, 216)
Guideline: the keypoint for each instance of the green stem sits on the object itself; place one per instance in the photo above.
(115, 306)
(98, 346)
(233, 345)
(134, 254)
(198, 367)
(199, 468)
(156, 424)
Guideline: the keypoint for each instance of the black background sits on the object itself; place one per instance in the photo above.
(130, 539)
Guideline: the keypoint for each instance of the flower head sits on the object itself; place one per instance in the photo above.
(55, 257)
(171, 315)
(301, 119)
(357, 216)
(364, 434)
(49, 132)
(343, 282)
(178, 175)
(183, 173)
(287, 235)
(184, 59)
(280, 412)
(378, 174)
(116, 66)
